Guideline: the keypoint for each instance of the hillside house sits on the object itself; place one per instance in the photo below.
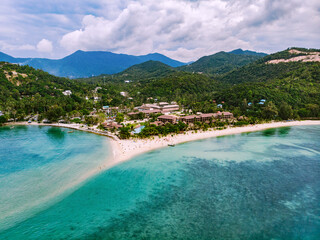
(67, 92)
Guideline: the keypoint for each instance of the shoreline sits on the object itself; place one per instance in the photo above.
(130, 148)
(126, 149)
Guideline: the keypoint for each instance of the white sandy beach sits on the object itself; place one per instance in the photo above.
(127, 149)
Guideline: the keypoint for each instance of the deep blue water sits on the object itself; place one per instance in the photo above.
(261, 185)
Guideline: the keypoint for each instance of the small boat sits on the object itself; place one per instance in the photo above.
(11, 127)
(171, 145)
(70, 131)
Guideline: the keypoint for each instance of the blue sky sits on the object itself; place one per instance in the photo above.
(181, 29)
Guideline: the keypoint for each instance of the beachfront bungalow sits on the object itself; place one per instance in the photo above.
(168, 119)
(219, 105)
(1, 114)
(111, 125)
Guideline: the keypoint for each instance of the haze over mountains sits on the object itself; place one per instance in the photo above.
(83, 64)
(87, 64)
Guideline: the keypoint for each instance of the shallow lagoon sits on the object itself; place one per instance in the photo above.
(262, 185)
(40, 165)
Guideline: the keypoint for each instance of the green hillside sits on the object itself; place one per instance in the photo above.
(145, 71)
(25, 91)
(285, 85)
(219, 63)
(261, 70)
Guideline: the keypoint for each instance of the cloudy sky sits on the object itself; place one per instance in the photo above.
(181, 29)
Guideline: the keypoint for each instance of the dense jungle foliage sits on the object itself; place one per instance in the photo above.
(293, 88)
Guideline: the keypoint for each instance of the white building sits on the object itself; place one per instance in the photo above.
(67, 92)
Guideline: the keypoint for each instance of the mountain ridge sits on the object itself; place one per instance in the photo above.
(89, 63)
(221, 62)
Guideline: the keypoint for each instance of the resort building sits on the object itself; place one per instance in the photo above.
(162, 107)
(163, 104)
(170, 108)
(224, 115)
(206, 117)
(148, 112)
(157, 123)
(145, 107)
(111, 125)
(168, 118)
(190, 119)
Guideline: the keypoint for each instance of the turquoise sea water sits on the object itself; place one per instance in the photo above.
(40, 165)
(262, 185)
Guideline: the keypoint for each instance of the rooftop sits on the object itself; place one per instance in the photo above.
(167, 117)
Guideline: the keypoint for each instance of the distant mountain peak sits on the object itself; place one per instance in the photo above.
(90, 63)
(239, 51)
(222, 62)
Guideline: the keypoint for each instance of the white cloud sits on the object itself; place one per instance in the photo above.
(183, 29)
(8, 47)
(187, 30)
(45, 46)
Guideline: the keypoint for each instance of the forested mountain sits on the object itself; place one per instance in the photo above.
(293, 85)
(248, 52)
(146, 70)
(219, 63)
(24, 90)
(142, 72)
(87, 64)
(263, 70)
